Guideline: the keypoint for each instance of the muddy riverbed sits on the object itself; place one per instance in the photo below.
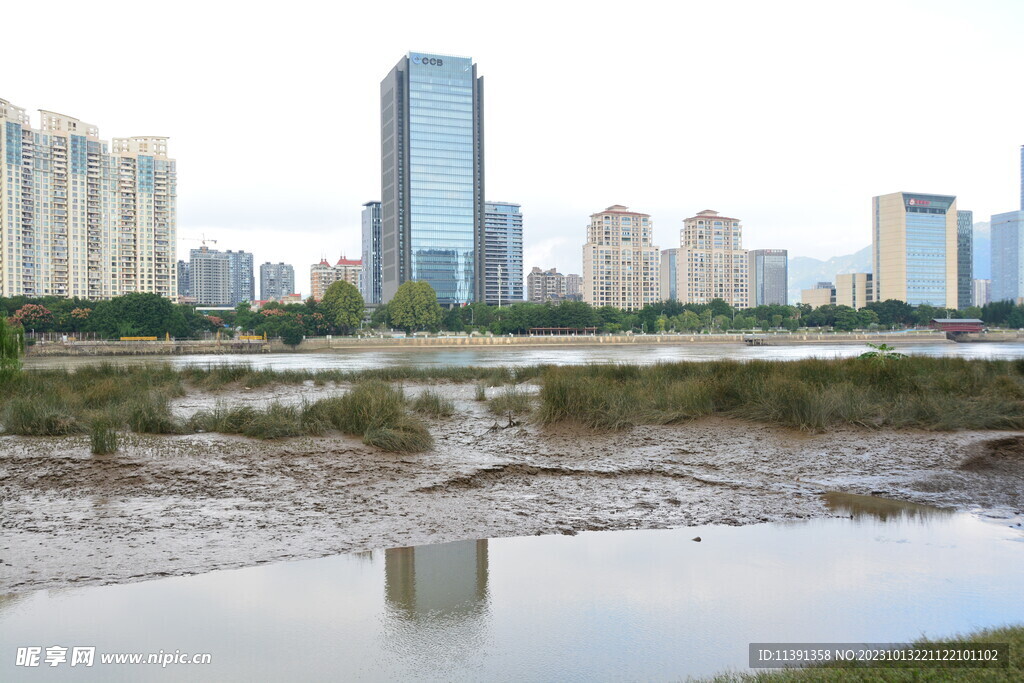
(188, 504)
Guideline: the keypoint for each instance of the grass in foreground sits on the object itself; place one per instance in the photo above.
(811, 394)
(871, 673)
(512, 399)
(433, 404)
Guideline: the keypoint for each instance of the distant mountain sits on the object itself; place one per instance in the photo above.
(805, 272)
(982, 250)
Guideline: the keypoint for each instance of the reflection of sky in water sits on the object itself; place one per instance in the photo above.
(603, 605)
(639, 353)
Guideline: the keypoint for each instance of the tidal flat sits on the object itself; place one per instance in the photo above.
(187, 503)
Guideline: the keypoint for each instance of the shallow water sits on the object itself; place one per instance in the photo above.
(651, 605)
(641, 354)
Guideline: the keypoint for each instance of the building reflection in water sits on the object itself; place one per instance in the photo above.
(883, 509)
(437, 601)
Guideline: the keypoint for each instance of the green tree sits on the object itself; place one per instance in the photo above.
(137, 315)
(291, 333)
(415, 307)
(343, 306)
(12, 345)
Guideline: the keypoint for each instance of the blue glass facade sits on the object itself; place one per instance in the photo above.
(926, 248)
(1007, 256)
(432, 177)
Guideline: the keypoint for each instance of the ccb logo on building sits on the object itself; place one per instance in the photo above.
(432, 61)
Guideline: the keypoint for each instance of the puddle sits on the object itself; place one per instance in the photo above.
(650, 605)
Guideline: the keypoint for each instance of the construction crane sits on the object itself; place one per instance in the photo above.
(198, 239)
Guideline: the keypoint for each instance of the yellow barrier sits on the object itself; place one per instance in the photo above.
(251, 337)
(138, 338)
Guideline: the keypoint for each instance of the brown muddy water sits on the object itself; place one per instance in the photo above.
(353, 360)
(614, 605)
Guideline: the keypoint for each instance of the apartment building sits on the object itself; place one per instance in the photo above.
(620, 262)
(83, 217)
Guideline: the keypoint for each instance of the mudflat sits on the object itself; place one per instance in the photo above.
(184, 504)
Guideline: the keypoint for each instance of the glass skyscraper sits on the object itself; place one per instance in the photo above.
(769, 277)
(964, 258)
(432, 177)
(370, 281)
(1007, 256)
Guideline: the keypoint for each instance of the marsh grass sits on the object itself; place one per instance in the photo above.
(431, 403)
(103, 437)
(374, 410)
(481, 392)
(812, 394)
(906, 672)
(150, 413)
(511, 399)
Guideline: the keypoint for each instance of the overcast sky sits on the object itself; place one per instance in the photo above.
(787, 115)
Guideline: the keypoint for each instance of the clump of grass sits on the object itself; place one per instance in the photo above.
(277, 421)
(481, 392)
(431, 403)
(151, 414)
(405, 436)
(375, 411)
(103, 436)
(40, 416)
(510, 400)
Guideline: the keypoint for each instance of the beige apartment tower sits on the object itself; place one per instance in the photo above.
(322, 275)
(81, 218)
(855, 290)
(711, 262)
(620, 264)
(914, 248)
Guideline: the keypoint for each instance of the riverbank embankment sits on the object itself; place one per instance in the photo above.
(321, 344)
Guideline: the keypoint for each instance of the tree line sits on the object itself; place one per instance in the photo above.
(415, 308)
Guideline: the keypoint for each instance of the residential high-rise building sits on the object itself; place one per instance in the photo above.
(1007, 256)
(855, 290)
(322, 275)
(371, 281)
(545, 285)
(432, 177)
(1022, 177)
(823, 294)
(184, 290)
(574, 286)
(243, 280)
(981, 292)
(503, 253)
(768, 270)
(209, 273)
(79, 217)
(914, 248)
(620, 263)
(964, 258)
(277, 280)
(712, 263)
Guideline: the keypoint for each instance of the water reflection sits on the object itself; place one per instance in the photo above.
(882, 509)
(447, 579)
(436, 603)
(627, 605)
